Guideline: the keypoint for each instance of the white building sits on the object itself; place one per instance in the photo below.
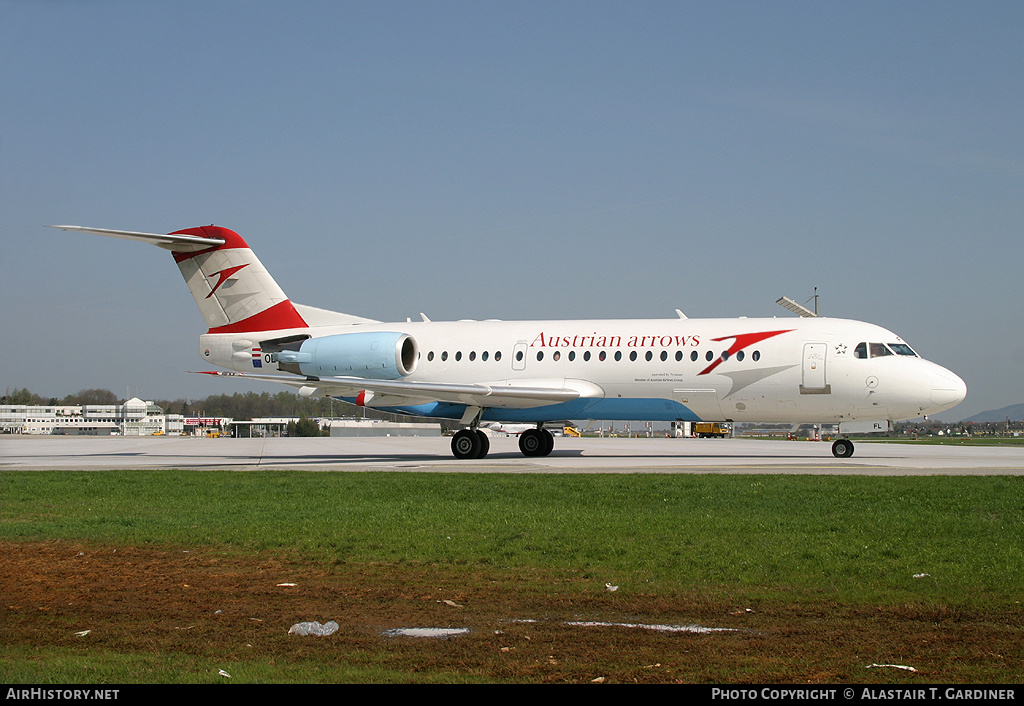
(133, 418)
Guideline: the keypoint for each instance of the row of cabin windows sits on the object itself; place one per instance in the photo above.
(603, 355)
(472, 355)
(862, 350)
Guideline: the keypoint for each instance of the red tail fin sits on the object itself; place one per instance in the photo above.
(233, 290)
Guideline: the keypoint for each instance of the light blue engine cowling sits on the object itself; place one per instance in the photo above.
(379, 355)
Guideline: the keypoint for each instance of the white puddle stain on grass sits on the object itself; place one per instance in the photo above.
(426, 632)
(692, 629)
(452, 632)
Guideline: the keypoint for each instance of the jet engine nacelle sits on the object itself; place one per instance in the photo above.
(380, 355)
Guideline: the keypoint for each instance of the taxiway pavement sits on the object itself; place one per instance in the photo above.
(432, 454)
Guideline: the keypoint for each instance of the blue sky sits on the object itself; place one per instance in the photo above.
(512, 160)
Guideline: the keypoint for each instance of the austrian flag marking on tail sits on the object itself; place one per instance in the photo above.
(257, 358)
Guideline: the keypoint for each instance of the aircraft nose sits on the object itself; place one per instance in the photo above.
(948, 390)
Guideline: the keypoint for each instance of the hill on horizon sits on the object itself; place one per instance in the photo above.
(1015, 412)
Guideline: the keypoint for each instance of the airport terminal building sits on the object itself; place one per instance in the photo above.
(133, 418)
(141, 418)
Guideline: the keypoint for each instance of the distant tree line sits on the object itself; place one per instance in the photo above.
(922, 427)
(240, 405)
(27, 397)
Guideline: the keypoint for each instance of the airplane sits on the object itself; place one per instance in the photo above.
(506, 428)
(805, 369)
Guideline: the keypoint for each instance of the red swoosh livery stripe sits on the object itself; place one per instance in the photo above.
(742, 341)
(223, 275)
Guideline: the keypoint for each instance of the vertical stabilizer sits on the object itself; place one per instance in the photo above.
(232, 288)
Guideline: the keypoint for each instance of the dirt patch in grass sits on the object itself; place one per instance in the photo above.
(522, 626)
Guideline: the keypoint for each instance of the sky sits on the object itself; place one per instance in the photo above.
(512, 160)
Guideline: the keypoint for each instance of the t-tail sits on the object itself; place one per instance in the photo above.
(232, 288)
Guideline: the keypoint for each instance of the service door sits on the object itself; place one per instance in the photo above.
(814, 380)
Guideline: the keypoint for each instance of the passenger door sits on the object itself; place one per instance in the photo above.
(814, 380)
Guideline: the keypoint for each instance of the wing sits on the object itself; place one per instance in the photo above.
(392, 393)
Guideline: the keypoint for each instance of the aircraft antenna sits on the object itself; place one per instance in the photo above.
(799, 309)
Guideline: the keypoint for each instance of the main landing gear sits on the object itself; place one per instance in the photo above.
(470, 443)
(473, 443)
(536, 442)
(842, 448)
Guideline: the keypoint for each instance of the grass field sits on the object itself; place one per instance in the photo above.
(814, 578)
(1008, 441)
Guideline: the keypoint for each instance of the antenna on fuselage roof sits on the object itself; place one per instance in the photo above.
(800, 309)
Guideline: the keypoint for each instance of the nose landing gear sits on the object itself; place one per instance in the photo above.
(842, 448)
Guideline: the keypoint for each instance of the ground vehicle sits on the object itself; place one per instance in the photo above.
(706, 430)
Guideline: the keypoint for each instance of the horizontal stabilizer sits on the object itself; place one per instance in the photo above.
(178, 242)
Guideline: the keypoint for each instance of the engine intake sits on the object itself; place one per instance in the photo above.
(379, 355)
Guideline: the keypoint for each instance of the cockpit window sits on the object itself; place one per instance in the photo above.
(877, 350)
(902, 349)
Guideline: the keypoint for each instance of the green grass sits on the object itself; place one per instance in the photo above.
(852, 539)
(51, 665)
(1008, 441)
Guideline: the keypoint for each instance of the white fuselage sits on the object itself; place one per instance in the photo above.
(764, 370)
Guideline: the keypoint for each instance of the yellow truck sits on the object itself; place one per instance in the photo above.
(710, 430)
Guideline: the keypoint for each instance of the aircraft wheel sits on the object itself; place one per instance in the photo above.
(531, 442)
(536, 442)
(466, 444)
(842, 448)
(549, 442)
(485, 444)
